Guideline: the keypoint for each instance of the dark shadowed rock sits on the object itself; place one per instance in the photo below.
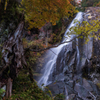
(57, 87)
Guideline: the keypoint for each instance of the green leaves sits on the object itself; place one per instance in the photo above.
(86, 29)
(1, 92)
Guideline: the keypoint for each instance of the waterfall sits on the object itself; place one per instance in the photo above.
(78, 55)
(53, 53)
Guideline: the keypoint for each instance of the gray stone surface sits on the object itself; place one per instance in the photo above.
(86, 85)
(82, 92)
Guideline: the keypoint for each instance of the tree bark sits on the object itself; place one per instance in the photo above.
(13, 58)
(9, 88)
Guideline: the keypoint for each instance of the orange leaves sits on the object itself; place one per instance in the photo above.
(59, 1)
(98, 5)
(38, 12)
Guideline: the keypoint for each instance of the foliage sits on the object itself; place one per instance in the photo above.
(1, 92)
(39, 12)
(59, 97)
(98, 4)
(86, 29)
(88, 3)
(36, 44)
(56, 33)
(80, 9)
(24, 89)
(9, 18)
(10, 13)
(32, 56)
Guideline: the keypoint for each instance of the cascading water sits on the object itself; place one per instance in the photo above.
(53, 53)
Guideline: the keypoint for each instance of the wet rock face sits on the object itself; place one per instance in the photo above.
(57, 88)
(90, 54)
(78, 80)
(67, 57)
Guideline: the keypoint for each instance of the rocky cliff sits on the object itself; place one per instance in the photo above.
(77, 70)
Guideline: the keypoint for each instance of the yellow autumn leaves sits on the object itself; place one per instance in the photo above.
(5, 4)
(39, 12)
(87, 29)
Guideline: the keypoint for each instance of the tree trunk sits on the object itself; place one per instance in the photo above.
(9, 88)
(31, 75)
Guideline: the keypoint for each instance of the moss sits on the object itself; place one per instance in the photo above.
(24, 89)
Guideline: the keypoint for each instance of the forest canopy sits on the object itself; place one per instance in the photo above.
(39, 12)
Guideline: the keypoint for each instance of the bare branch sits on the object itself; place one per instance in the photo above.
(52, 46)
(52, 51)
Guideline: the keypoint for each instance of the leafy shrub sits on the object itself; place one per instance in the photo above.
(89, 3)
(1, 92)
(98, 4)
(24, 89)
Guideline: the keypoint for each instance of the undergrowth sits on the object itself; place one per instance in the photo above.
(24, 89)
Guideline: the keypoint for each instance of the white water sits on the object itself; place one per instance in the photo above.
(53, 53)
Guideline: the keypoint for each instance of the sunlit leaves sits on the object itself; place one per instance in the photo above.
(86, 29)
(38, 12)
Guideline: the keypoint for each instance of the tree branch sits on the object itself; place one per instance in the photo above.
(28, 49)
